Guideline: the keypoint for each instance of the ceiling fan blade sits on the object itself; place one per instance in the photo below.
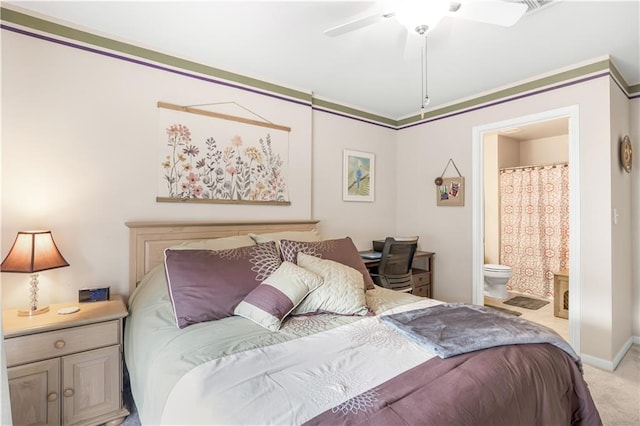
(408, 53)
(490, 11)
(412, 45)
(356, 24)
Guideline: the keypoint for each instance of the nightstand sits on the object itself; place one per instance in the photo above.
(66, 369)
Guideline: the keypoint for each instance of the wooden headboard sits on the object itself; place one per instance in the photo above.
(147, 240)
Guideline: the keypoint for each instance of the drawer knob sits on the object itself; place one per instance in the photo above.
(68, 392)
(52, 396)
(59, 344)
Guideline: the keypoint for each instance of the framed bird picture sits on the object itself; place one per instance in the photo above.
(358, 176)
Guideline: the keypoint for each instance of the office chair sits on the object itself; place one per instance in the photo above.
(394, 271)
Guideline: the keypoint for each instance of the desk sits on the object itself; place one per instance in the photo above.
(422, 278)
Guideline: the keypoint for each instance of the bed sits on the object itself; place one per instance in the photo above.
(326, 360)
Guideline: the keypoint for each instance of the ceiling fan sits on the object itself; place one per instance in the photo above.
(421, 16)
(412, 13)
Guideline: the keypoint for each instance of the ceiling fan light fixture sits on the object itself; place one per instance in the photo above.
(413, 13)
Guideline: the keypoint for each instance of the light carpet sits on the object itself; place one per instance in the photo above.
(617, 393)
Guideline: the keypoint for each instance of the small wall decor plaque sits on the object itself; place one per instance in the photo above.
(626, 154)
(450, 190)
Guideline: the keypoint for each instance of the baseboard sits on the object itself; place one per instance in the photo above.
(610, 365)
(636, 340)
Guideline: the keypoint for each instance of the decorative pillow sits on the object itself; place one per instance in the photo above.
(342, 291)
(341, 250)
(223, 243)
(287, 235)
(206, 285)
(270, 302)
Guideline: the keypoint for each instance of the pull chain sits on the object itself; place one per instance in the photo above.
(422, 30)
(426, 71)
(422, 71)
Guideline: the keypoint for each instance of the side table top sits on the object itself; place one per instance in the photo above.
(90, 312)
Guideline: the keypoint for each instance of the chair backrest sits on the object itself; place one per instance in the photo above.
(397, 256)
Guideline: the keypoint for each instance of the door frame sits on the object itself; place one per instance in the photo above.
(572, 114)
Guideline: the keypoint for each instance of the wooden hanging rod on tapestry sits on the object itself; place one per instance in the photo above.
(221, 201)
(222, 116)
(504, 169)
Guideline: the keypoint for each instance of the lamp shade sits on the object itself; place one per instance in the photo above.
(33, 251)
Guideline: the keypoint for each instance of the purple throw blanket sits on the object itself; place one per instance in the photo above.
(455, 328)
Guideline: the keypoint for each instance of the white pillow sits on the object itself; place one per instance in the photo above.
(312, 235)
(341, 293)
(270, 302)
(224, 243)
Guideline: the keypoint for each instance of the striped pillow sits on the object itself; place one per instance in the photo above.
(270, 302)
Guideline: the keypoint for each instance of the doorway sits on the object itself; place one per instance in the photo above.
(569, 114)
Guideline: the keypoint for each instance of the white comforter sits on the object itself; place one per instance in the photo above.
(292, 382)
(209, 373)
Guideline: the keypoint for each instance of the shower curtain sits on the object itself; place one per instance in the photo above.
(534, 229)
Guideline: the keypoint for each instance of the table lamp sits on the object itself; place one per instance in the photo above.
(32, 252)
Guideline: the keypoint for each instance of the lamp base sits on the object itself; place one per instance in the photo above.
(32, 312)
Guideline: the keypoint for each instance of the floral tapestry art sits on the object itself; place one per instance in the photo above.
(232, 161)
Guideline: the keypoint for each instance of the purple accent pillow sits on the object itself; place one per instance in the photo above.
(206, 285)
(341, 250)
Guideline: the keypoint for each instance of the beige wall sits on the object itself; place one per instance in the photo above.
(621, 247)
(491, 200)
(421, 157)
(81, 156)
(90, 164)
(362, 221)
(554, 149)
(509, 152)
(634, 132)
(449, 228)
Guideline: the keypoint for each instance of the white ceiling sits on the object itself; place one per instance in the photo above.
(283, 43)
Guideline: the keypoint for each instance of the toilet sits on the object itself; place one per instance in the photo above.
(495, 280)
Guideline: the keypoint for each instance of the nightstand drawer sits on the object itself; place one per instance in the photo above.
(36, 347)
